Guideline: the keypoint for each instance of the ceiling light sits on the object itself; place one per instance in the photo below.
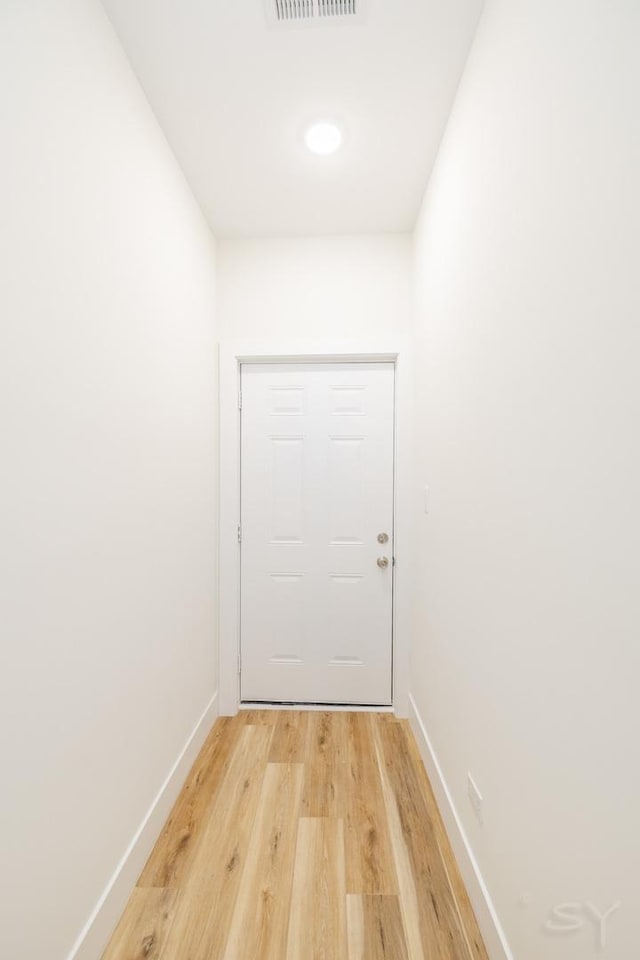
(323, 138)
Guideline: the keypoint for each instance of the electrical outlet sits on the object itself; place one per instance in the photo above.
(475, 796)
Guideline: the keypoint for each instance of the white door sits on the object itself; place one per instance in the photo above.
(316, 502)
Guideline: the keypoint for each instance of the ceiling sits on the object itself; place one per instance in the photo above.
(234, 94)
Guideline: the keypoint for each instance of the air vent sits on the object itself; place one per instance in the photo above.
(336, 8)
(310, 12)
(294, 9)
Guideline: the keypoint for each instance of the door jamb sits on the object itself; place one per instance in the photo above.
(231, 356)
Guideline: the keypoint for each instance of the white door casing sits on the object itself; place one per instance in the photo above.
(317, 482)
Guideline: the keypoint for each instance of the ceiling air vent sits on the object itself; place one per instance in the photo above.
(336, 8)
(314, 12)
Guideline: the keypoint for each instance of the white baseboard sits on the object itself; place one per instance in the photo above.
(106, 913)
(488, 921)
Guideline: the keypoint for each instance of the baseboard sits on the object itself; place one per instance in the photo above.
(490, 926)
(105, 915)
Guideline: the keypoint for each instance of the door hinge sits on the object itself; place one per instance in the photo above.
(239, 533)
(239, 399)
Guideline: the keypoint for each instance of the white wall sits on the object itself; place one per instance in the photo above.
(108, 426)
(318, 288)
(526, 657)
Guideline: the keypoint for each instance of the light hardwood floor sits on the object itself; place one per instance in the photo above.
(302, 836)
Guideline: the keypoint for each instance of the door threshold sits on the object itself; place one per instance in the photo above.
(291, 705)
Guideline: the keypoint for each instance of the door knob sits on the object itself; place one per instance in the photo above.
(383, 537)
(382, 562)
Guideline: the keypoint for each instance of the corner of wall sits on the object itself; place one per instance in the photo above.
(493, 935)
(107, 911)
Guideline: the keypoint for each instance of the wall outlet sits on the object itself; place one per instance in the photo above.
(475, 797)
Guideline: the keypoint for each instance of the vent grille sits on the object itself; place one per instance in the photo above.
(287, 11)
(336, 8)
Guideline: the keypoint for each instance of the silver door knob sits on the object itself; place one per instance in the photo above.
(383, 537)
(382, 562)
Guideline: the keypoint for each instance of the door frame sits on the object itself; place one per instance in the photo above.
(231, 355)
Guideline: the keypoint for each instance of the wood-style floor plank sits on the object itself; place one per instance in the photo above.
(260, 920)
(409, 905)
(142, 931)
(328, 736)
(326, 766)
(438, 916)
(324, 792)
(369, 860)
(289, 743)
(268, 718)
(171, 855)
(466, 916)
(317, 919)
(207, 900)
(375, 929)
(302, 836)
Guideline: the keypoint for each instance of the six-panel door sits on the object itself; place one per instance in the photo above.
(316, 493)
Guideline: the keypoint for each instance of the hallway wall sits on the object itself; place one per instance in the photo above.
(315, 288)
(526, 655)
(108, 508)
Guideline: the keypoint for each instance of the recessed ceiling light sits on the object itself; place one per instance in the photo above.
(323, 138)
